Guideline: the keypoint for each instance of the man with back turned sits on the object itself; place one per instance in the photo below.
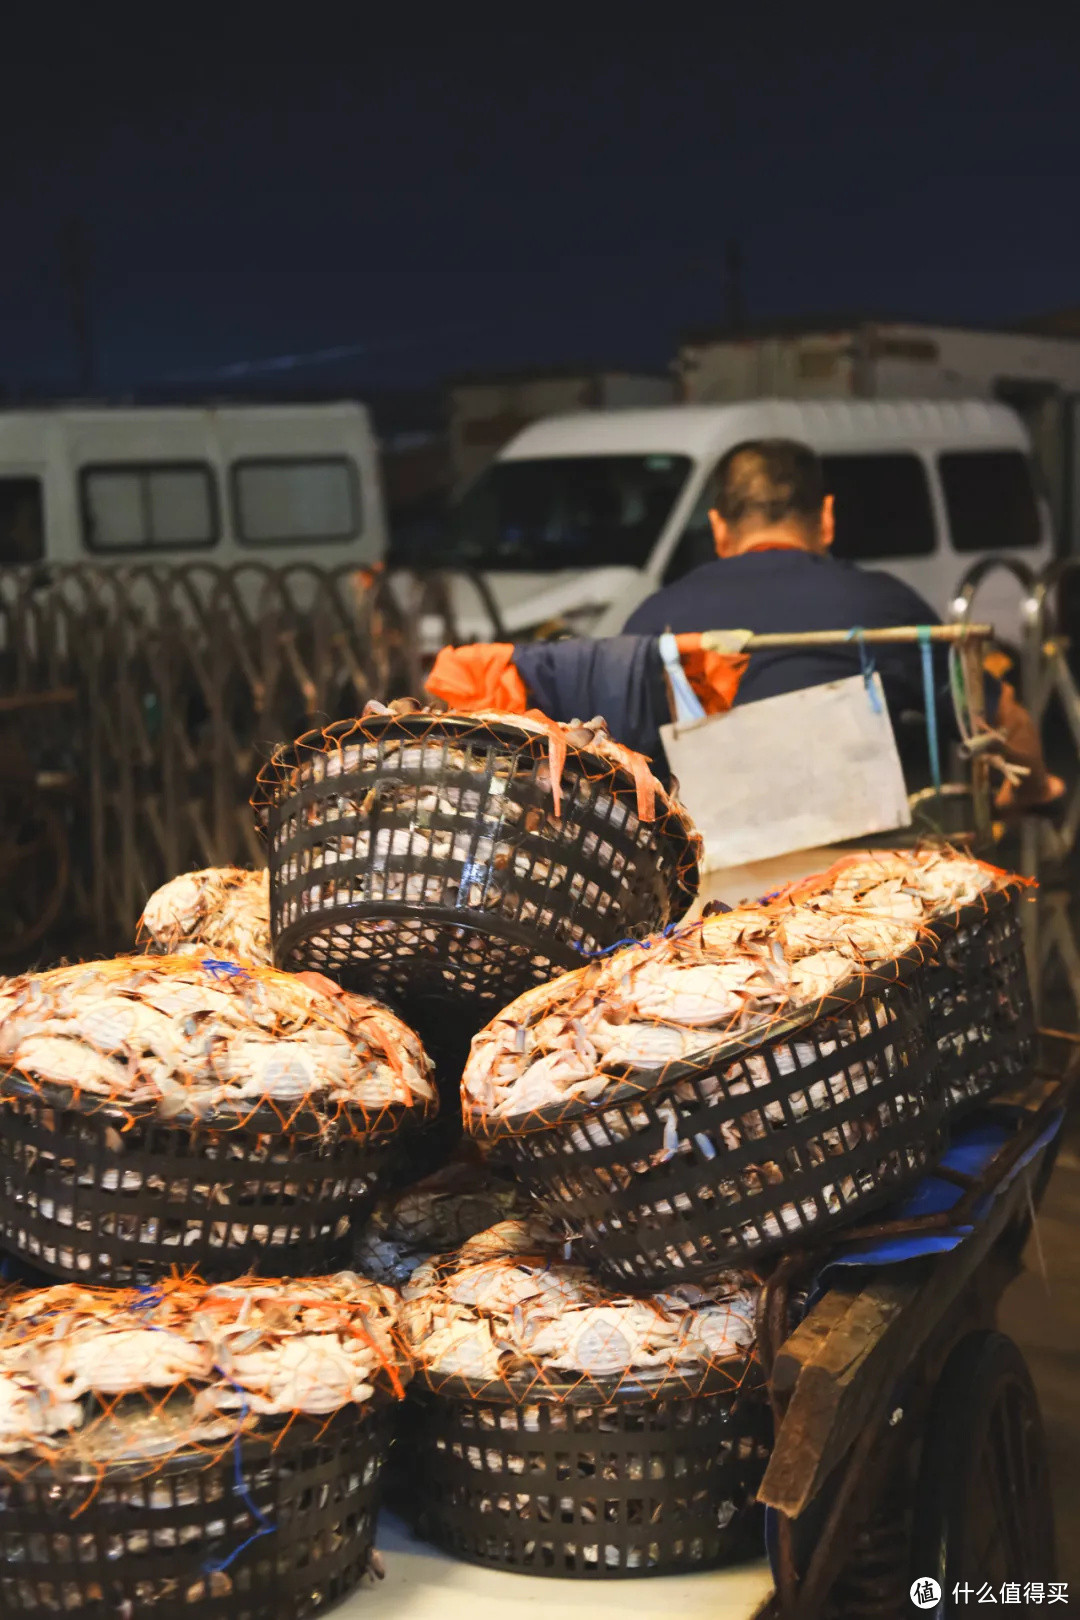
(773, 524)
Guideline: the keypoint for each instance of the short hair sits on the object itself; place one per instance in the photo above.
(766, 481)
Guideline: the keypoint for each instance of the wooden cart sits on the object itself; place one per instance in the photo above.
(908, 1436)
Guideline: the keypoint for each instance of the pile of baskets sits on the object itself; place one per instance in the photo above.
(166, 1114)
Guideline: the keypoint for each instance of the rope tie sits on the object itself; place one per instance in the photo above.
(930, 701)
(868, 667)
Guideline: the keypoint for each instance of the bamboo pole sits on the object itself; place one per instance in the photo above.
(732, 641)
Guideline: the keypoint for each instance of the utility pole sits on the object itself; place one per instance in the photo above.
(77, 267)
(734, 302)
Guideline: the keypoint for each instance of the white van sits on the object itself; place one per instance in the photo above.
(279, 484)
(581, 517)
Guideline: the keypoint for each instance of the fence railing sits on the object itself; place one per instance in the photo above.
(186, 678)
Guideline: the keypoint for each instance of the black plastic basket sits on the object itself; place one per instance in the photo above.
(754, 1148)
(981, 1013)
(511, 896)
(105, 1196)
(587, 1483)
(183, 1539)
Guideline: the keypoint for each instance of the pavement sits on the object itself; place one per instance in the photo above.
(1041, 1311)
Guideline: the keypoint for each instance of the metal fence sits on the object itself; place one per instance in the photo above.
(184, 678)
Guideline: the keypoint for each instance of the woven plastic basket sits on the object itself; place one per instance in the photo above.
(181, 1539)
(107, 1196)
(420, 859)
(639, 1480)
(684, 1171)
(981, 1013)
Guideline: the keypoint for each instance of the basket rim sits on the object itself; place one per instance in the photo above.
(269, 1436)
(673, 821)
(532, 1388)
(655, 1080)
(262, 1119)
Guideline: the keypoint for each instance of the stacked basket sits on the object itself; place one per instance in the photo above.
(174, 1443)
(684, 1102)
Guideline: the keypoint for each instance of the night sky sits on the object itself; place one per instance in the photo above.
(477, 199)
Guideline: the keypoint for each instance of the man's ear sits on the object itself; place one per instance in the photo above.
(722, 538)
(827, 531)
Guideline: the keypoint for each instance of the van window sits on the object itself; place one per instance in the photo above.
(563, 512)
(882, 506)
(990, 499)
(22, 525)
(146, 508)
(696, 544)
(278, 501)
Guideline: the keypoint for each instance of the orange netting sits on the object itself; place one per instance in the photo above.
(220, 911)
(206, 1041)
(420, 757)
(508, 1313)
(92, 1378)
(630, 1019)
(714, 676)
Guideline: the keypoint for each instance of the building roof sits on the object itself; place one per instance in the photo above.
(836, 322)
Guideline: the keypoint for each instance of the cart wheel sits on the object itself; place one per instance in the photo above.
(983, 1512)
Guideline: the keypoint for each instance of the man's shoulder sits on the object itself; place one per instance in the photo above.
(655, 612)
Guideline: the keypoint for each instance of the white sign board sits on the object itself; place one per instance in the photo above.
(788, 773)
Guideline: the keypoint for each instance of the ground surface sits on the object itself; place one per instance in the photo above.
(1042, 1313)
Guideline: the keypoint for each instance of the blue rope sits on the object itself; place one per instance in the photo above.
(222, 970)
(868, 667)
(214, 1566)
(930, 700)
(621, 944)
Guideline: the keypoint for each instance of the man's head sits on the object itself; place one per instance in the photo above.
(770, 491)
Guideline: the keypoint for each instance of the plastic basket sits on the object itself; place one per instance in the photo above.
(755, 1148)
(129, 1542)
(450, 910)
(640, 1481)
(981, 1013)
(108, 1197)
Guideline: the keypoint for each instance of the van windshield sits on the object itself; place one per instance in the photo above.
(565, 512)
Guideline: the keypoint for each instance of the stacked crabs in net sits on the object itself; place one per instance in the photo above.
(247, 1296)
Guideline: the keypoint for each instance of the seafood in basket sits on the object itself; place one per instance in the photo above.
(193, 1448)
(166, 1109)
(981, 1012)
(460, 858)
(222, 910)
(100, 1376)
(711, 1093)
(535, 1391)
(434, 1216)
(195, 1038)
(507, 1306)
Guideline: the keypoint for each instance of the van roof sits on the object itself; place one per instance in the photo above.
(81, 414)
(706, 431)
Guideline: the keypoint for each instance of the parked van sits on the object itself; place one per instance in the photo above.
(581, 517)
(280, 483)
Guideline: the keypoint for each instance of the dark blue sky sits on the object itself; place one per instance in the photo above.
(460, 200)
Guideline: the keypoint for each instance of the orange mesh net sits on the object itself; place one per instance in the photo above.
(633, 1019)
(508, 1313)
(714, 676)
(91, 1378)
(194, 1040)
(220, 911)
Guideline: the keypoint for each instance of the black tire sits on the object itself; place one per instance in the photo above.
(983, 1509)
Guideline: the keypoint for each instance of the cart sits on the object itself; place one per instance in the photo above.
(908, 1441)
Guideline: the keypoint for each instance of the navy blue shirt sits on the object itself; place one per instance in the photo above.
(778, 591)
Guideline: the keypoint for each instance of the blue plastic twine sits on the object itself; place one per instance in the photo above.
(215, 1566)
(930, 700)
(222, 970)
(868, 667)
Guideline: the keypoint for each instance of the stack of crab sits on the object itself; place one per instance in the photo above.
(752, 1079)
(151, 1439)
(560, 1429)
(222, 1442)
